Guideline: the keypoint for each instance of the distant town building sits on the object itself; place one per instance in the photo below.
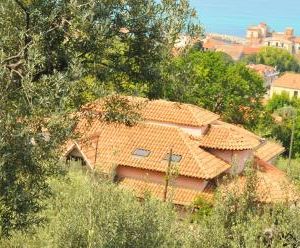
(288, 82)
(268, 73)
(256, 37)
(256, 34)
(235, 50)
(211, 44)
(260, 35)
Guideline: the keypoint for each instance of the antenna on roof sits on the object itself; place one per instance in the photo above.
(168, 174)
(96, 152)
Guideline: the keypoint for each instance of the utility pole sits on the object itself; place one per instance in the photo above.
(292, 138)
(168, 175)
(289, 112)
(96, 153)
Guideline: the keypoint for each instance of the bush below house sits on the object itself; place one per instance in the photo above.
(90, 212)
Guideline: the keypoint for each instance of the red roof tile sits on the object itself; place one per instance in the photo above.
(272, 185)
(179, 196)
(116, 143)
(288, 80)
(269, 150)
(227, 138)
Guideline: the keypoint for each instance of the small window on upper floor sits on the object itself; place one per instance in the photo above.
(295, 93)
(141, 152)
(176, 158)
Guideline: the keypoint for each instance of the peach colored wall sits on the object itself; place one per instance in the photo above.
(236, 158)
(158, 177)
(195, 131)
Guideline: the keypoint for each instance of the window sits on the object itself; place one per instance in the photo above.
(174, 158)
(277, 44)
(269, 43)
(141, 152)
(282, 44)
(72, 158)
(295, 93)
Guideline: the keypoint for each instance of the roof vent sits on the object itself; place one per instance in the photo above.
(141, 152)
(174, 158)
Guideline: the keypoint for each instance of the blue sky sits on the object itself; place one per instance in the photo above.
(233, 16)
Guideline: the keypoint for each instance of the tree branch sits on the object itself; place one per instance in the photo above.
(27, 23)
(21, 5)
(17, 56)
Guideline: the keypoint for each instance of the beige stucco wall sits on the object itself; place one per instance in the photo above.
(278, 43)
(253, 34)
(158, 177)
(238, 159)
(297, 48)
(195, 131)
(278, 90)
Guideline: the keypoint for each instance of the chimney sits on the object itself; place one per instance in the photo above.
(289, 32)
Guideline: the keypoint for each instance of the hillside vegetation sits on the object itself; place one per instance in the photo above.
(87, 211)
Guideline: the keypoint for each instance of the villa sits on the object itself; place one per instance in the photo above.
(194, 141)
(289, 83)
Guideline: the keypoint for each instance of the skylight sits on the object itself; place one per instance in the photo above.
(174, 158)
(141, 152)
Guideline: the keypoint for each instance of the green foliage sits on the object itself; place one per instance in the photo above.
(283, 131)
(31, 132)
(293, 171)
(95, 213)
(35, 122)
(285, 111)
(121, 44)
(238, 221)
(212, 81)
(92, 212)
(120, 109)
(203, 208)
(276, 57)
(56, 56)
(279, 101)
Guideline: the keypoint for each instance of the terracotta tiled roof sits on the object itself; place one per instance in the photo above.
(226, 137)
(261, 69)
(173, 112)
(235, 51)
(272, 185)
(251, 50)
(297, 40)
(288, 80)
(179, 196)
(166, 111)
(269, 150)
(116, 144)
(212, 43)
(237, 128)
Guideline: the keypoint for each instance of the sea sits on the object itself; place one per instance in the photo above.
(232, 17)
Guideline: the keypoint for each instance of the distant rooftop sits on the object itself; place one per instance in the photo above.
(288, 80)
